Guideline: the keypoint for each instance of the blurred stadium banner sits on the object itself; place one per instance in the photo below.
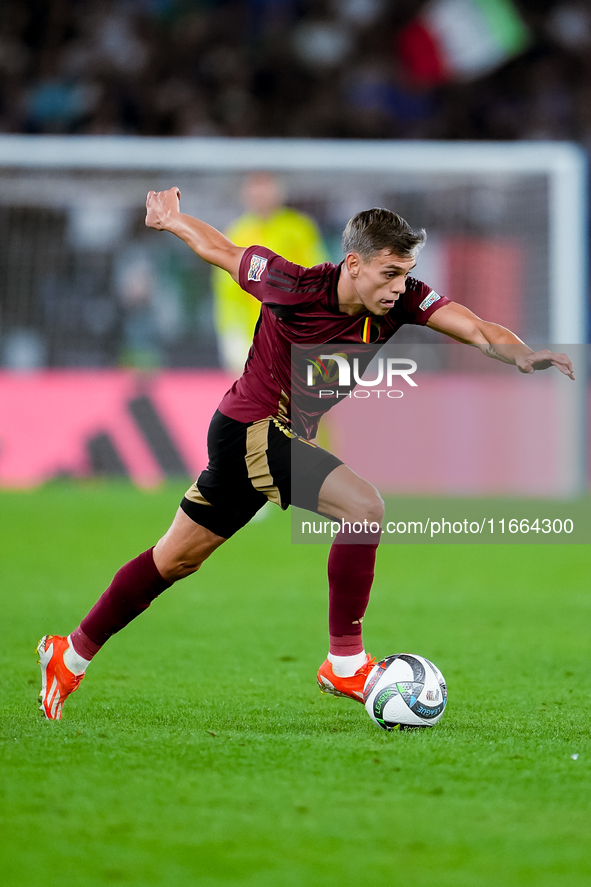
(458, 434)
(86, 423)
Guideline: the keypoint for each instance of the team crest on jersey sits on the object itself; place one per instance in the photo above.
(370, 330)
(257, 266)
(428, 300)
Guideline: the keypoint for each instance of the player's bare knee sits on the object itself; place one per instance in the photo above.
(366, 505)
(183, 568)
(181, 551)
(173, 568)
(375, 508)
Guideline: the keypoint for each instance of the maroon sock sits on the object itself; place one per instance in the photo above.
(83, 645)
(132, 590)
(350, 575)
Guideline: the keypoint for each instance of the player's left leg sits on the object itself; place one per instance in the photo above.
(64, 660)
(221, 501)
(180, 552)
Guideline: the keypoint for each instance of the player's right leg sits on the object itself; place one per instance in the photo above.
(63, 660)
(355, 504)
(319, 482)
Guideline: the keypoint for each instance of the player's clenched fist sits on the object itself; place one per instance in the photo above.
(160, 205)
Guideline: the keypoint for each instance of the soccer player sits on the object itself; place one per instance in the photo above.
(259, 440)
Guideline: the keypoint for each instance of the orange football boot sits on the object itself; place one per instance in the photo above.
(351, 687)
(57, 681)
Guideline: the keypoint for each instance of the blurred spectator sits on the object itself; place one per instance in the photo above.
(570, 25)
(269, 223)
(136, 283)
(57, 103)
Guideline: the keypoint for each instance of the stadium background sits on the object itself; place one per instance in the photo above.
(180, 760)
(84, 286)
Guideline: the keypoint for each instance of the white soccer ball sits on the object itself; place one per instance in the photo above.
(405, 690)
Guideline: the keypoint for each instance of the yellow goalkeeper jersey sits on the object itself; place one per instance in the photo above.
(294, 236)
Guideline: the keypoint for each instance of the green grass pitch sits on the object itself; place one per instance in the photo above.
(199, 751)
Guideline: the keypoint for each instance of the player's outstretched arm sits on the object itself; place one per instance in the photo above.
(163, 213)
(495, 341)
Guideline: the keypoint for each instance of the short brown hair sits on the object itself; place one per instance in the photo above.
(371, 231)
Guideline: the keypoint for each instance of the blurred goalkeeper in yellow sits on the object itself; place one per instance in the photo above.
(287, 232)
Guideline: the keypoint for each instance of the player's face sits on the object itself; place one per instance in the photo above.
(381, 280)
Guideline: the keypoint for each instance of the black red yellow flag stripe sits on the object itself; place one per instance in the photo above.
(370, 330)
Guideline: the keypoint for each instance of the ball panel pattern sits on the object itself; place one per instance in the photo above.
(405, 690)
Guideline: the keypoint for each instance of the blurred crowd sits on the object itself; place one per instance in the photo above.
(299, 68)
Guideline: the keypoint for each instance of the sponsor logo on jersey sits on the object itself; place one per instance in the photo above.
(428, 300)
(257, 266)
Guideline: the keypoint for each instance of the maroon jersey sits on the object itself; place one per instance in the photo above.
(300, 308)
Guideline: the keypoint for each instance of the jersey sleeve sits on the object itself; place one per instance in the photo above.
(419, 302)
(274, 281)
